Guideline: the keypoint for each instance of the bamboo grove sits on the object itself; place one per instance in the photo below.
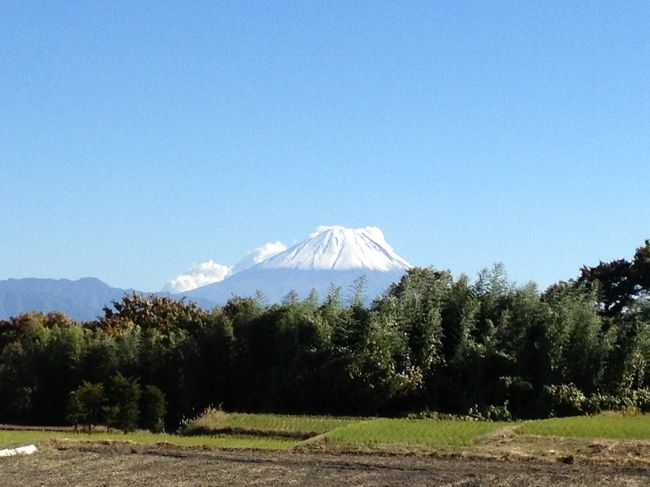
(432, 343)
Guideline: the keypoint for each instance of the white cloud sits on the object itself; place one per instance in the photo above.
(210, 272)
(201, 275)
(259, 254)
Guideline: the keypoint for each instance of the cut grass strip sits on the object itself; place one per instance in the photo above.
(415, 432)
(617, 426)
(13, 438)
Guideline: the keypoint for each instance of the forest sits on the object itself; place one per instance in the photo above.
(431, 344)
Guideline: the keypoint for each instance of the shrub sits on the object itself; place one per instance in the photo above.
(489, 413)
(634, 401)
(498, 413)
(565, 400)
(642, 400)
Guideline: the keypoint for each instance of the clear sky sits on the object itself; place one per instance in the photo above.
(138, 138)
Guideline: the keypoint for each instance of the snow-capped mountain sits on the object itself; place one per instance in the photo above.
(332, 255)
(338, 248)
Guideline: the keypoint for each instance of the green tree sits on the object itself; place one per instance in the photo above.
(153, 409)
(641, 267)
(620, 282)
(99, 360)
(583, 344)
(17, 383)
(420, 298)
(151, 311)
(459, 317)
(86, 405)
(56, 363)
(123, 403)
(494, 292)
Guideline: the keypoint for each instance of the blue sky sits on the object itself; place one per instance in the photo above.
(138, 138)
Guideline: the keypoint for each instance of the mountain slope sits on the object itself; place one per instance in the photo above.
(332, 255)
(82, 300)
(339, 248)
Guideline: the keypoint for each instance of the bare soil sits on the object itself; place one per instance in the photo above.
(119, 464)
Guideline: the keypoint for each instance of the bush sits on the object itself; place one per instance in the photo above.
(498, 413)
(642, 400)
(490, 413)
(636, 400)
(565, 400)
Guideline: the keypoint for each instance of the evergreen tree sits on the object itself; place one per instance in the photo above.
(153, 409)
(86, 405)
(123, 403)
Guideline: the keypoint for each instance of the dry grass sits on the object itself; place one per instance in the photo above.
(21, 437)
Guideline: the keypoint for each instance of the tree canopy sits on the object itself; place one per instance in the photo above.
(432, 342)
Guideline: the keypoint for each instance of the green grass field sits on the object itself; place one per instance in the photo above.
(616, 426)
(415, 432)
(348, 431)
(271, 431)
(266, 424)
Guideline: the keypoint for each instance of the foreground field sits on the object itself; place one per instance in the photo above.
(238, 430)
(115, 465)
(249, 449)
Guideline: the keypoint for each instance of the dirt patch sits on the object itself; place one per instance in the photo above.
(506, 443)
(116, 464)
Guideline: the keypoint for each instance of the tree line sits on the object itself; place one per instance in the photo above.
(431, 343)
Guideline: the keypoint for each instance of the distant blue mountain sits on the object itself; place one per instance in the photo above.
(81, 300)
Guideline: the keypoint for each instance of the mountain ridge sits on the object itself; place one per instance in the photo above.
(82, 299)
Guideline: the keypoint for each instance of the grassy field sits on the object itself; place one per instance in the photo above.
(417, 432)
(347, 431)
(580, 451)
(214, 420)
(616, 426)
(269, 431)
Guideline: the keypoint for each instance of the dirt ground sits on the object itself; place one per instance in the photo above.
(67, 464)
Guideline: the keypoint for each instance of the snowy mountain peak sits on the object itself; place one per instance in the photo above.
(340, 248)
